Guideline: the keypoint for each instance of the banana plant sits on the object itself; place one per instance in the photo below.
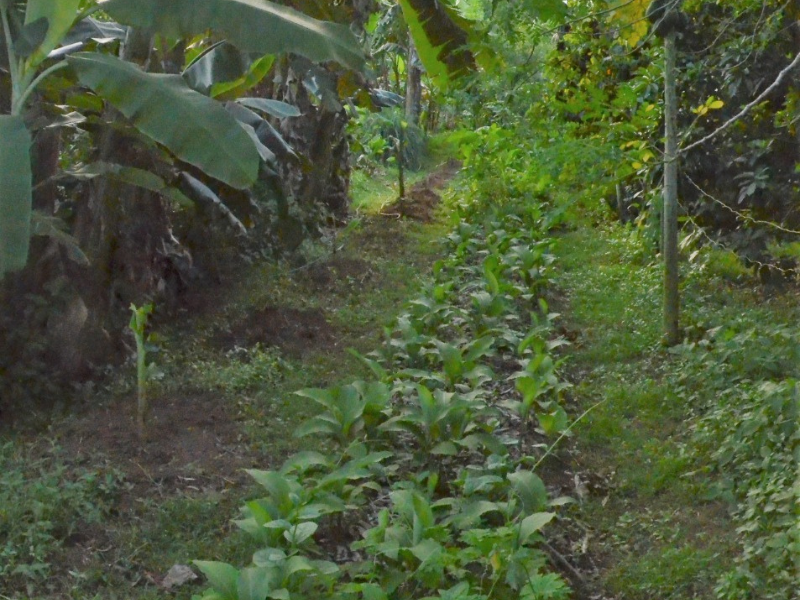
(41, 37)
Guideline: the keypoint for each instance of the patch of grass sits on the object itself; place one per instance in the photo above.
(661, 537)
(44, 501)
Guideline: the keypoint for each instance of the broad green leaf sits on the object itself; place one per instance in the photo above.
(255, 583)
(276, 108)
(196, 129)
(60, 16)
(55, 229)
(259, 69)
(297, 564)
(205, 195)
(276, 484)
(222, 577)
(533, 523)
(92, 29)
(301, 461)
(300, 532)
(268, 557)
(530, 488)
(15, 193)
(440, 37)
(30, 37)
(317, 426)
(372, 591)
(133, 176)
(219, 63)
(554, 422)
(252, 25)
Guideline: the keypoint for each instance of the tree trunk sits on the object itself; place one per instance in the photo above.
(319, 137)
(413, 84)
(670, 211)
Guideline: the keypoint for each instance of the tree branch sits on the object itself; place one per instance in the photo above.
(778, 80)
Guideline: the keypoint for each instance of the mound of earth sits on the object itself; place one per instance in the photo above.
(421, 200)
(295, 331)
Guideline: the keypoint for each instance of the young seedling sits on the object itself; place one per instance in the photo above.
(137, 326)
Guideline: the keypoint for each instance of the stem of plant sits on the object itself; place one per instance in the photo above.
(29, 89)
(13, 66)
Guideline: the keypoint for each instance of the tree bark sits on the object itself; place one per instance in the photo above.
(670, 210)
(413, 84)
(319, 137)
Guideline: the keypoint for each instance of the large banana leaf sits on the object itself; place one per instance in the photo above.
(440, 37)
(60, 15)
(15, 193)
(195, 128)
(252, 25)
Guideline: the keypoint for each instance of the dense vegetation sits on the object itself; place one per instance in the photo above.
(407, 392)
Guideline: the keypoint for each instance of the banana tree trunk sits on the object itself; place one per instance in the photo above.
(318, 136)
(413, 84)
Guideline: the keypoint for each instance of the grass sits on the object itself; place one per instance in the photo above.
(145, 531)
(652, 528)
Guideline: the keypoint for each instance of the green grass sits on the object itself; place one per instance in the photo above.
(655, 532)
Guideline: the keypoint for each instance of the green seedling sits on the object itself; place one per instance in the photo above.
(137, 326)
(349, 412)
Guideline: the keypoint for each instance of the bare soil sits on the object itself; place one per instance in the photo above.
(423, 198)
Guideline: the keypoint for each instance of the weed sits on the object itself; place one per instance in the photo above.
(44, 501)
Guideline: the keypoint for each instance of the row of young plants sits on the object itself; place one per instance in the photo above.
(742, 379)
(423, 482)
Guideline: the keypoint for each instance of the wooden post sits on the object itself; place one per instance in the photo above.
(669, 214)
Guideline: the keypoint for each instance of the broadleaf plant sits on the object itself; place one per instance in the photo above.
(162, 107)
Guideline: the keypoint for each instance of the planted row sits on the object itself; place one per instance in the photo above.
(425, 485)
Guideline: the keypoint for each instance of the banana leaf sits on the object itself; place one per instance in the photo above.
(252, 25)
(194, 128)
(59, 16)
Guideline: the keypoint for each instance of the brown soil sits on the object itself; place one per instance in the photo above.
(192, 444)
(422, 199)
(326, 275)
(295, 331)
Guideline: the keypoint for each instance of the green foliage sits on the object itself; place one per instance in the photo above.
(377, 135)
(217, 144)
(751, 433)
(465, 521)
(243, 23)
(244, 369)
(350, 412)
(137, 325)
(44, 501)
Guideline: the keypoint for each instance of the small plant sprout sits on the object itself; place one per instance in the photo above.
(137, 326)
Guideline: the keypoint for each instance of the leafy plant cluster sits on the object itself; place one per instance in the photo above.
(423, 481)
(384, 136)
(749, 425)
(43, 501)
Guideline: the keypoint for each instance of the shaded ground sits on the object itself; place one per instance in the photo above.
(295, 331)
